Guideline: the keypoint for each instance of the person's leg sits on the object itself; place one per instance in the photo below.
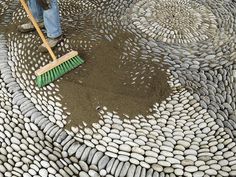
(52, 24)
(36, 10)
(52, 20)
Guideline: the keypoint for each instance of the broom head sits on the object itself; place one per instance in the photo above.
(57, 68)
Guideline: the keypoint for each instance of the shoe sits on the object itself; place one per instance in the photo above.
(52, 43)
(28, 27)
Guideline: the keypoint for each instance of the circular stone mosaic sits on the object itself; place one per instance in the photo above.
(191, 133)
(173, 21)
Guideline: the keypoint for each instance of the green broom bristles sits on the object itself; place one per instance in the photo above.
(58, 71)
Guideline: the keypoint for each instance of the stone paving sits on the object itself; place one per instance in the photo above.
(191, 133)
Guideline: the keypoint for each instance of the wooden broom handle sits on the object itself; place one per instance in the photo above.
(32, 19)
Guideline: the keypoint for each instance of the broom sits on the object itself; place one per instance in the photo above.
(57, 67)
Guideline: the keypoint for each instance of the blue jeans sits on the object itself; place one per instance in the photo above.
(50, 17)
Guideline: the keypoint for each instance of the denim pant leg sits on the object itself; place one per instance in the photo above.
(52, 20)
(36, 10)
